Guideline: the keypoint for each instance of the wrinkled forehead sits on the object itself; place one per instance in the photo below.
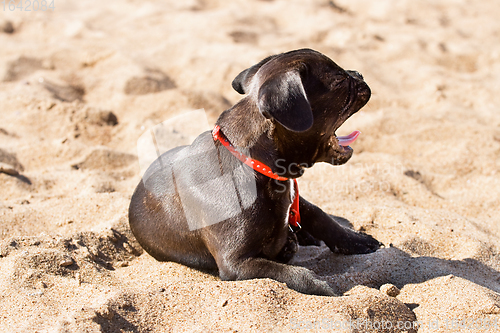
(297, 60)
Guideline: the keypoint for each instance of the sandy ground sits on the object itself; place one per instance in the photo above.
(81, 83)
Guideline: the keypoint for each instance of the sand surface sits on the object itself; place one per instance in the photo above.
(80, 84)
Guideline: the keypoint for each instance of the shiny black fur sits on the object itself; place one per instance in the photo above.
(294, 103)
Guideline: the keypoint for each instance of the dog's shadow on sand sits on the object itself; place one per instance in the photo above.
(389, 265)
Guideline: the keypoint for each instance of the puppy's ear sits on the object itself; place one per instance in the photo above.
(284, 99)
(242, 80)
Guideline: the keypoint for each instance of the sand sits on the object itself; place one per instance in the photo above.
(80, 84)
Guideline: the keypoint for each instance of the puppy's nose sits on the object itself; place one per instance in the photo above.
(355, 74)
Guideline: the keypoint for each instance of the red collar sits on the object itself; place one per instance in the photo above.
(293, 213)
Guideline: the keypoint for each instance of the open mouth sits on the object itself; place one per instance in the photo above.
(343, 152)
(347, 140)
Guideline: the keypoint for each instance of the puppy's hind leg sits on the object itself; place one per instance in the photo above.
(298, 278)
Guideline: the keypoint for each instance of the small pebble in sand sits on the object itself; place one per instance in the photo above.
(41, 285)
(122, 264)
(8, 169)
(78, 278)
(66, 262)
(36, 293)
(6, 26)
(390, 290)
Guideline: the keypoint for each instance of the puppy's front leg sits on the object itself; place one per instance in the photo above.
(338, 238)
(298, 278)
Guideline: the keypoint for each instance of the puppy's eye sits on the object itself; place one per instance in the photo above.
(337, 78)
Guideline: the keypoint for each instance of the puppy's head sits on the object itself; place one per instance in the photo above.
(307, 97)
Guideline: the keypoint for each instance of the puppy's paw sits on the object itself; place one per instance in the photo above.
(306, 282)
(321, 288)
(356, 243)
(289, 250)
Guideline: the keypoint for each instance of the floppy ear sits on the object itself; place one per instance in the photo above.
(284, 99)
(241, 81)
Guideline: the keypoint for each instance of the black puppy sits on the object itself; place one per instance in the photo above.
(201, 206)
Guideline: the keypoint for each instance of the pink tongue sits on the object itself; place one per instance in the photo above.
(348, 139)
